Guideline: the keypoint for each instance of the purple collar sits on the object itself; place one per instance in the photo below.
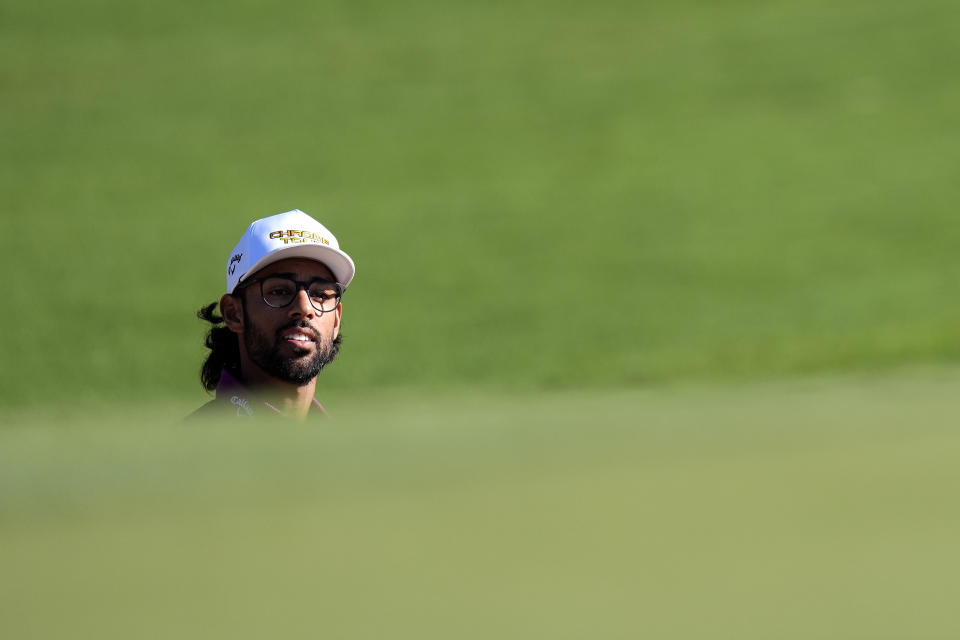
(231, 390)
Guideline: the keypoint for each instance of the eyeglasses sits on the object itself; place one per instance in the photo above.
(280, 291)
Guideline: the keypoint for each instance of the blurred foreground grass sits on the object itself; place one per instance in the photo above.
(809, 509)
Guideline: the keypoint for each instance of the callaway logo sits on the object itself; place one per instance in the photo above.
(241, 404)
(233, 263)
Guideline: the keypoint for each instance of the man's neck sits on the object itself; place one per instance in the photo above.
(286, 397)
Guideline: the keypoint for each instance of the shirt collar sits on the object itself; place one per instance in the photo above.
(231, 390)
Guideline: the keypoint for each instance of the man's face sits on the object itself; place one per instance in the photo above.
(295, 342)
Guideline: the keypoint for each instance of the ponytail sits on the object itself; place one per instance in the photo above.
(224, 349)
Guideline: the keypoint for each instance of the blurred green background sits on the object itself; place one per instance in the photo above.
(537, 194)
(654, 330)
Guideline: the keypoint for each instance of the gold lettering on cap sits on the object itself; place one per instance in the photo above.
(297, 236)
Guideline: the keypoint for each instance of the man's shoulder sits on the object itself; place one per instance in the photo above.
(237, 406)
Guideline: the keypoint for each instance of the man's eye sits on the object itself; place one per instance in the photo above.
(323, 293)
(278, 291)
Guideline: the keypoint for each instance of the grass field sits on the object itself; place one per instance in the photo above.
(655, 330)
(537, 195)
(815, 509)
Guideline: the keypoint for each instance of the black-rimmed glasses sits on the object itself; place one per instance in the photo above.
(280, 291)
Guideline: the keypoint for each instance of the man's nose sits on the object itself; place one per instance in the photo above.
(301, 305)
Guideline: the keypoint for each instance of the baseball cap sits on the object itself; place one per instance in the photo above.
(292, 234)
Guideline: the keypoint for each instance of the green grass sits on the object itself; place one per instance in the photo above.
(537, 195)
(822, 508)
(585, 234)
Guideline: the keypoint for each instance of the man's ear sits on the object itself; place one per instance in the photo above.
(336, 320)
(231, 308)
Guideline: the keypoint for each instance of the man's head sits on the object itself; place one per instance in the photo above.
(285, 280)
(287, 317)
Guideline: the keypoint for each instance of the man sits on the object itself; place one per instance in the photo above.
(279, 322)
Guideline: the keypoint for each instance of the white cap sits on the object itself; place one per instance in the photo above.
(293, 234)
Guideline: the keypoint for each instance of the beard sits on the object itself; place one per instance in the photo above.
(298, 369)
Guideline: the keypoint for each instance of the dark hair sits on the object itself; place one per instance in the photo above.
(224, 348)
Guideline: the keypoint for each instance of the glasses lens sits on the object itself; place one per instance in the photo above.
(324, 295)
(278, 292)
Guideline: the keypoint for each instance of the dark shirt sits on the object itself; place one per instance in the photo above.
(233, 399)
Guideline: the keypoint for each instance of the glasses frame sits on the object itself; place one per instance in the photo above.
(301, 285)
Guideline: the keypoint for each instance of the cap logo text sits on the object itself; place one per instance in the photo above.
(296, 236)
(233, 263)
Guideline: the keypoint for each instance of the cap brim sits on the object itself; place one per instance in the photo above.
(339, 263)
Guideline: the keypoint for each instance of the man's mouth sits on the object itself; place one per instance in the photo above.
(299, 337)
